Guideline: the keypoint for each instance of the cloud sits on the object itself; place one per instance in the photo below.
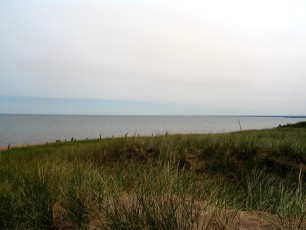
(196, 52)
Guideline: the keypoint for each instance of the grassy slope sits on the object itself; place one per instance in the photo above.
(162, 182)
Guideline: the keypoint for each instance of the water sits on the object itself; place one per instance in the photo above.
(32, 129)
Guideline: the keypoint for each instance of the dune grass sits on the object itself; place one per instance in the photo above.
(161, 182)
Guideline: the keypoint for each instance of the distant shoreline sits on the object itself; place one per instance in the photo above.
(12, 146)
(26, 130)
(156, 115)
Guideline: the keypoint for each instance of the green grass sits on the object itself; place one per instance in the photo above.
(160, 182)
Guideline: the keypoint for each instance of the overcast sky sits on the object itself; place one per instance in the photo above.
(154, 57)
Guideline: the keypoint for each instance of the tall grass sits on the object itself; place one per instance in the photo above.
(160, 182)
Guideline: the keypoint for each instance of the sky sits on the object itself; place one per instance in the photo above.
(173, 57)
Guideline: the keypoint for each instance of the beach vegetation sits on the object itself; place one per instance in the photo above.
(191, 181)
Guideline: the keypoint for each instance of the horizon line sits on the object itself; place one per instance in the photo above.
(212, 115)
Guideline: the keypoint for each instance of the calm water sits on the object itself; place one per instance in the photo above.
(30, 129)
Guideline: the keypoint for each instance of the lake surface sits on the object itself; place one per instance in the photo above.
(33, 129)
